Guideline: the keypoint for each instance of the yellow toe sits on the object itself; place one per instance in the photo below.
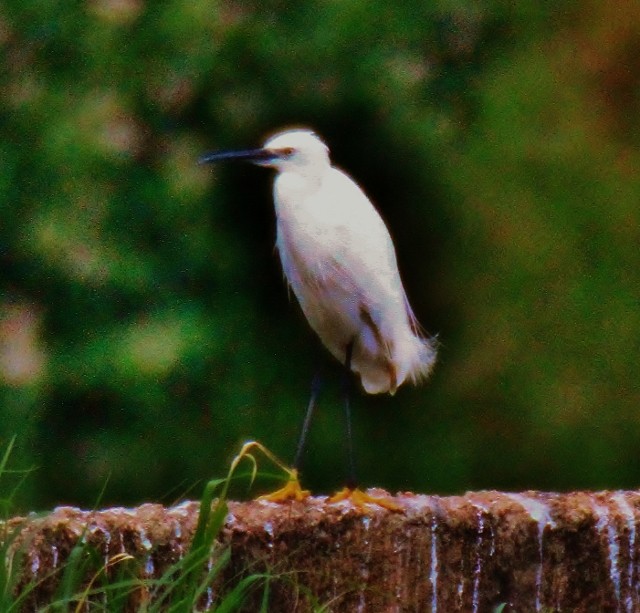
(359, 499)
(292, 490)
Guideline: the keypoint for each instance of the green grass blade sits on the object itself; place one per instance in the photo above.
(234, 599)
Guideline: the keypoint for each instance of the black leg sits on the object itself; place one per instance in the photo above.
(346, 390)
(316, 384)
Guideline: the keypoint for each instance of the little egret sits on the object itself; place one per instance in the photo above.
(339, 259)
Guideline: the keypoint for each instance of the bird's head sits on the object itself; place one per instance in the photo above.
(294, 150)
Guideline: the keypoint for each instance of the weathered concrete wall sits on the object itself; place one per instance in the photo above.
(534, 551)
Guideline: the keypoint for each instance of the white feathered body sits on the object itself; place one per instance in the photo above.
(340, 262)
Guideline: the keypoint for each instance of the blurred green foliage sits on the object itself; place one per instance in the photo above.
(144, 326)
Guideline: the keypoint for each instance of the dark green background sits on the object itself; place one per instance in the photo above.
(145, 330)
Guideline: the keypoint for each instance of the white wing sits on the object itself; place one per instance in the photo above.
(340, 261)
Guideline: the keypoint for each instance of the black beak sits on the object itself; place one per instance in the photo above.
(250, 155)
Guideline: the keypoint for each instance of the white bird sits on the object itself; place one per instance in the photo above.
(339, 259)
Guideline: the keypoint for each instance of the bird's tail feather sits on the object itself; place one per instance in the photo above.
(413, 358)
(420, 357)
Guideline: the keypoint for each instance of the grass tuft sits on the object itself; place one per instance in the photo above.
(89, 582)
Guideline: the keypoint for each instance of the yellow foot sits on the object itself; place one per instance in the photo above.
(291, 491)
(359, 498)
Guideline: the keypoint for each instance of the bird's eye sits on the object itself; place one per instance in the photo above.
(288, 151)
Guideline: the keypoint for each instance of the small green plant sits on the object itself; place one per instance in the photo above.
(11, 562)
(88, 582)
